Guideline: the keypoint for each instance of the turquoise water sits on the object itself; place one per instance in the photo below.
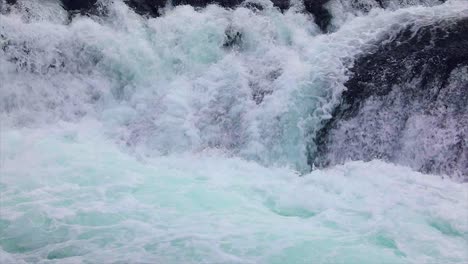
(71, 196)
(125, 139)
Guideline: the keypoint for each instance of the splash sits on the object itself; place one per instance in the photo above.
(170, 84)
(80, 198)
(183, 139)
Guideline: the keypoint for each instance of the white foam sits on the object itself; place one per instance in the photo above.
(201, 172)
(79, 198)
(167, 85)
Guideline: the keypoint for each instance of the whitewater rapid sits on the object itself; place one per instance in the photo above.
(80, 198)
(127, 139)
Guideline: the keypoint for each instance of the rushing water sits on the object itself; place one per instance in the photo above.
(127, 139)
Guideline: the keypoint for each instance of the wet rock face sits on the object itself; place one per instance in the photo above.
(321, 15)
(388, 3)
(152, 7)
(146, 7)
(78, 4)
(281, 4)
(407, 102)
(143, 7)
(203, 3)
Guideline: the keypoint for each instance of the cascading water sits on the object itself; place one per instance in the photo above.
(188, 137)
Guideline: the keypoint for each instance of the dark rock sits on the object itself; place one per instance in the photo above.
(253, 6)
(406, 103)
(152, 7)
(203, 3)
(142, 7)
(387, 3)
(146, 7)
(78, 5)
(321, 15)
(280, 4)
